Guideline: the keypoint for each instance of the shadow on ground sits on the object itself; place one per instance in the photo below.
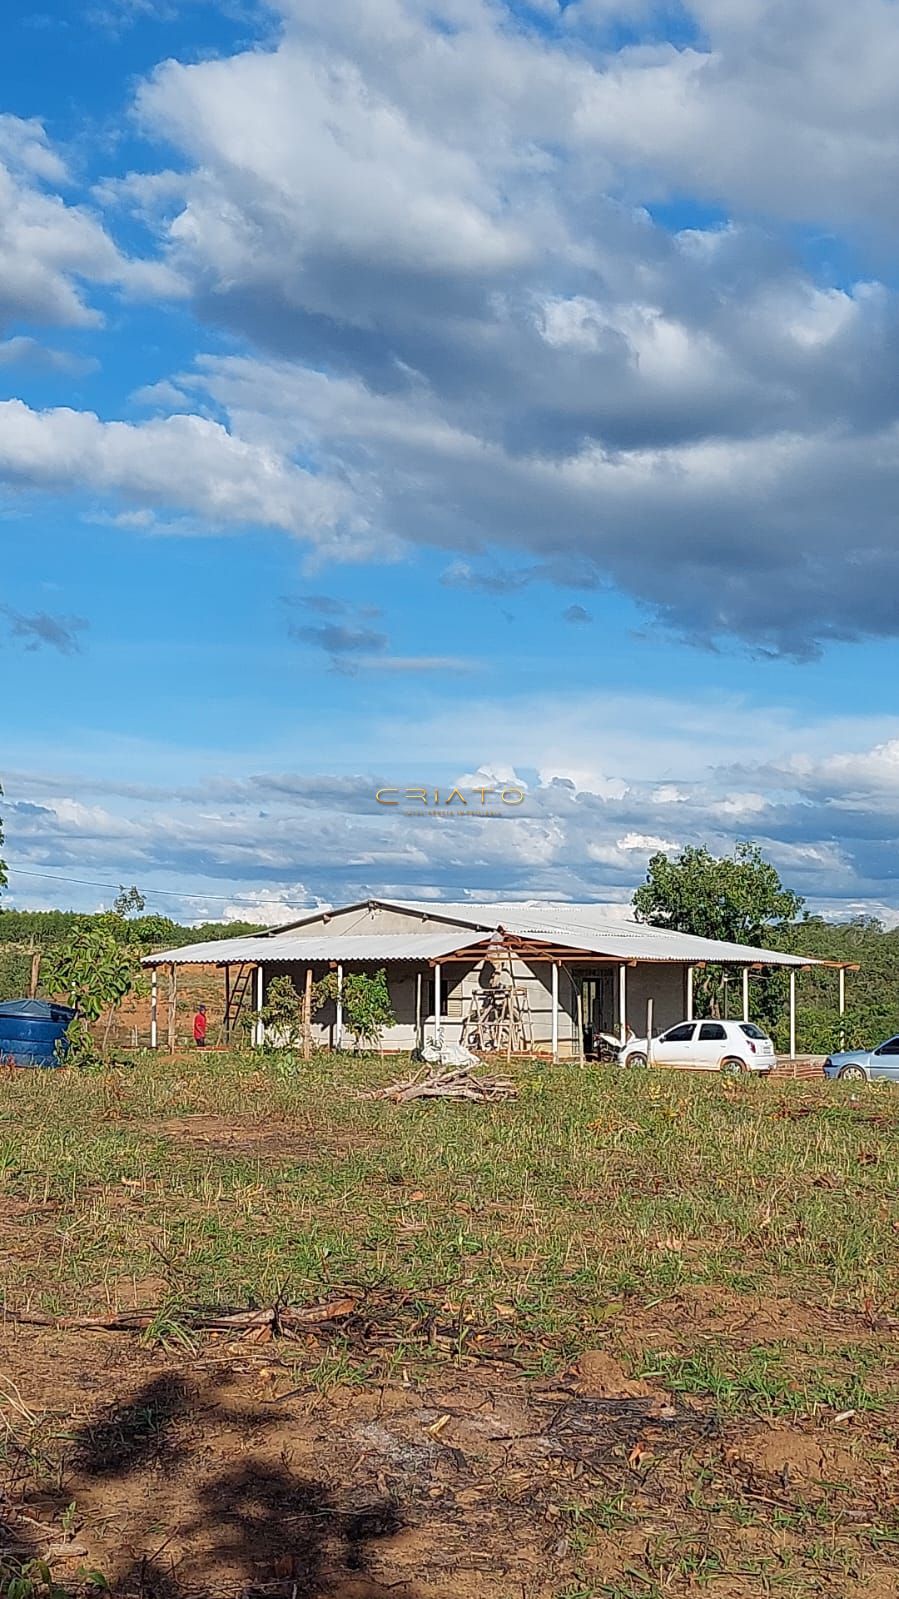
(257, 1524)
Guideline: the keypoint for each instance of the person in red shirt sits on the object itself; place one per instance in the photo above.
(200, 1027)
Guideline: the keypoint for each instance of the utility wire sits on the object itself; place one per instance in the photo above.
(151, 893)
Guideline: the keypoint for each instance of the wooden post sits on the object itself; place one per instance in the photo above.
(622, 1002)
(512, 1007)
(226, 1019)
(579, 1019)
(340, 1006)
(307, 1015)
(555, 1005)
(437, 1017)
(745, 993)
(419, 1039)
(154, 994)
(35, 970)
(173, 1005)
(260, 1024)
(842, 1007)
(792, 1013)
(649, 1032)
(689, 993)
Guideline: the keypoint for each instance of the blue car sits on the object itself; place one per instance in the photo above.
(860, 1065)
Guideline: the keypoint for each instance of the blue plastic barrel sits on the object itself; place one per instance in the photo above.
(30, 1030)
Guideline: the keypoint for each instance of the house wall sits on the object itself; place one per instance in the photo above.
(665, 983)
(374, 919)
(666, 986)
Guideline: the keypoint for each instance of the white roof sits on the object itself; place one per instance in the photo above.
(280, 947)
(595, 929)
(599, 929)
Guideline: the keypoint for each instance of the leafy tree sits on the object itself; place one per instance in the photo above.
(95, 969)
(736, 897)
(128, 900)
(367, 1009)
(366, 1006)
(739, 898)
(282, 1014)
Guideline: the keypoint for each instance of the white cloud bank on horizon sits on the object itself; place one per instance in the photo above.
(829, 821)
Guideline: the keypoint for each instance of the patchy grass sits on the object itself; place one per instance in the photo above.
(732, 1244)
(235, 1180)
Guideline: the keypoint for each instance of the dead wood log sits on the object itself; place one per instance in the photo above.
(275, 1318)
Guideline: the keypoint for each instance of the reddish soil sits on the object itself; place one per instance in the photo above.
(228, 1473)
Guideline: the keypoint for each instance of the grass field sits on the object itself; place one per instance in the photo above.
(627, 1336)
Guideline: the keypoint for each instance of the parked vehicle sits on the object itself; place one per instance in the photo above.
(705, 1046)
(860, 1065)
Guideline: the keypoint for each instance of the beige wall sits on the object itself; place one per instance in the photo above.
(665, 983)
(666, 986)
(376, 919)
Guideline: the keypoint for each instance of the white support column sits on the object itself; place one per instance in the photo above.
(154, 1009)
(792, 1013)
(842, 1007)
(339, 1028)
(260, 1025)
(622, 1003)
(438, 1019)
(745, 993)
(555, 1004)
(689, 993)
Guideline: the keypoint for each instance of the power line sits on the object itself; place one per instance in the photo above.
(172, 893)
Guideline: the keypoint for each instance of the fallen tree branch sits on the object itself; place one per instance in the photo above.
(274, 1320)
(458, 1082)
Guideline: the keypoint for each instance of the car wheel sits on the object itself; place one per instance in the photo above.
(853, 1074)
(732, 1067)
(638, 1058)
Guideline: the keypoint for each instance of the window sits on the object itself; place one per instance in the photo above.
(751, 1031)
(711, 1030)
(679, 1035)
(891, 1047)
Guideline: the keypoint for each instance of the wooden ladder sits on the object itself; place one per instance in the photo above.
(237, 993)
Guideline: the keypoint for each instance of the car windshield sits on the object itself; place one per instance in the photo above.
(751, 1031)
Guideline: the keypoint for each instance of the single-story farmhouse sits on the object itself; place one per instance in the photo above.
(522, 976)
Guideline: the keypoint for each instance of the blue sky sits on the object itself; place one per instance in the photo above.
(416, 392)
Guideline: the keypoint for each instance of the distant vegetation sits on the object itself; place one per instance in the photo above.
(740, 898)
(25, 933)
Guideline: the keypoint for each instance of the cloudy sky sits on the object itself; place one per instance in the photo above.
(439, 391)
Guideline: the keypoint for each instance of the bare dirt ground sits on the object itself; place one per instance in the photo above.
(620, 1340)
(225, 1472)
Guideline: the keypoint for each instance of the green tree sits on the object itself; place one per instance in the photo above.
(128, 900)
(367, 1009)
(282, 1014)
(738, 898)
(366, 1006)
(95, 969)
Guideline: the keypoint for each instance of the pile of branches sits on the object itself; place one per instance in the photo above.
(454, 1082)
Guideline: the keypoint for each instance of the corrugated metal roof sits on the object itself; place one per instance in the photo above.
(590, 927)
(347, 947)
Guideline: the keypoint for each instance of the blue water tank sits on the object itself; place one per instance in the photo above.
(30, 1030)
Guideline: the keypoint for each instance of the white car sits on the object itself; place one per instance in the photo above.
(704, 1046)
